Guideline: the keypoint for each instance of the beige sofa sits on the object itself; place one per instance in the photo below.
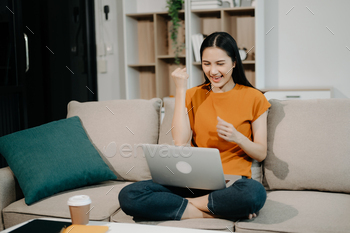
(306, 172)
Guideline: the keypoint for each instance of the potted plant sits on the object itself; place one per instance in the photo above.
(173, 11)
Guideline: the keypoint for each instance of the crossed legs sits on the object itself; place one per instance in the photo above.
(148, 200)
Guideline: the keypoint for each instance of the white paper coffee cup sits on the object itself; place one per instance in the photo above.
(79, 208)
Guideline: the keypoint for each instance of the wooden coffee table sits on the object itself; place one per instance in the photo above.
(126, 227)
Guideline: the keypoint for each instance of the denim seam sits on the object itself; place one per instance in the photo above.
(212, 201)
(183, 199)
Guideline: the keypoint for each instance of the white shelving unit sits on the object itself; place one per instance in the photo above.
(148, 61)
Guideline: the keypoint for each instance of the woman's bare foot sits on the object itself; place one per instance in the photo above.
(201, 203)
(192, 212)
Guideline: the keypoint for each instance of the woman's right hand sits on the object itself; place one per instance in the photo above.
(180, 78)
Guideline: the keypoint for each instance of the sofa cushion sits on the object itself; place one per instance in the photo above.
(165, 136)
(117, 128)
(8, 191)
(301, 211)
(308, 145)
(104, 197)
(52, 158)
(200, 223)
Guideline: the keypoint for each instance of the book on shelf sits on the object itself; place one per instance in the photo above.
(228, 3)
(193, 39)
(193, 1)
(208, 4)
(197, 40)
(199, 7)
(215, 2)
(246, 3)
(221, 4)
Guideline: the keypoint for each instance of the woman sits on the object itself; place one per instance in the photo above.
(225, 112)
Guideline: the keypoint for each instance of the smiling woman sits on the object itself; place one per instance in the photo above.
(220, 55)
(225, 112)
(217, 65)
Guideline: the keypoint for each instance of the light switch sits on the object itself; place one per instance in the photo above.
(102, 66)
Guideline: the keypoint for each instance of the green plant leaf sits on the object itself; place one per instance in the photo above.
(173, 11)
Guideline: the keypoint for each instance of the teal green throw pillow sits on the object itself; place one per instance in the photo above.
(54, 157)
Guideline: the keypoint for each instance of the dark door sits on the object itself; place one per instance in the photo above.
(13, 66)
(47, 58)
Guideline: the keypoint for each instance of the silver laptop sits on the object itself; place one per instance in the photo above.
(191, 167)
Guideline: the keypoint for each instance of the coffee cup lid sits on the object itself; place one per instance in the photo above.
(79, 200)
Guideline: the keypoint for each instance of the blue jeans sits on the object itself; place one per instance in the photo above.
(148, 200)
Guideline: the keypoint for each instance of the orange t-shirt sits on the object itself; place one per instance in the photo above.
(240, 107)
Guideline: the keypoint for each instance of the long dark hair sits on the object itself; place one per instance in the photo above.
(225, 41)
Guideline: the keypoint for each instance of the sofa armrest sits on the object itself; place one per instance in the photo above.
(9, 191)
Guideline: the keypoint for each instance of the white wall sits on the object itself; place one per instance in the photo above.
(300, 51)
(111, 84)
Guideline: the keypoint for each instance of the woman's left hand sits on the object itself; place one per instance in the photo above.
(227, 131)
